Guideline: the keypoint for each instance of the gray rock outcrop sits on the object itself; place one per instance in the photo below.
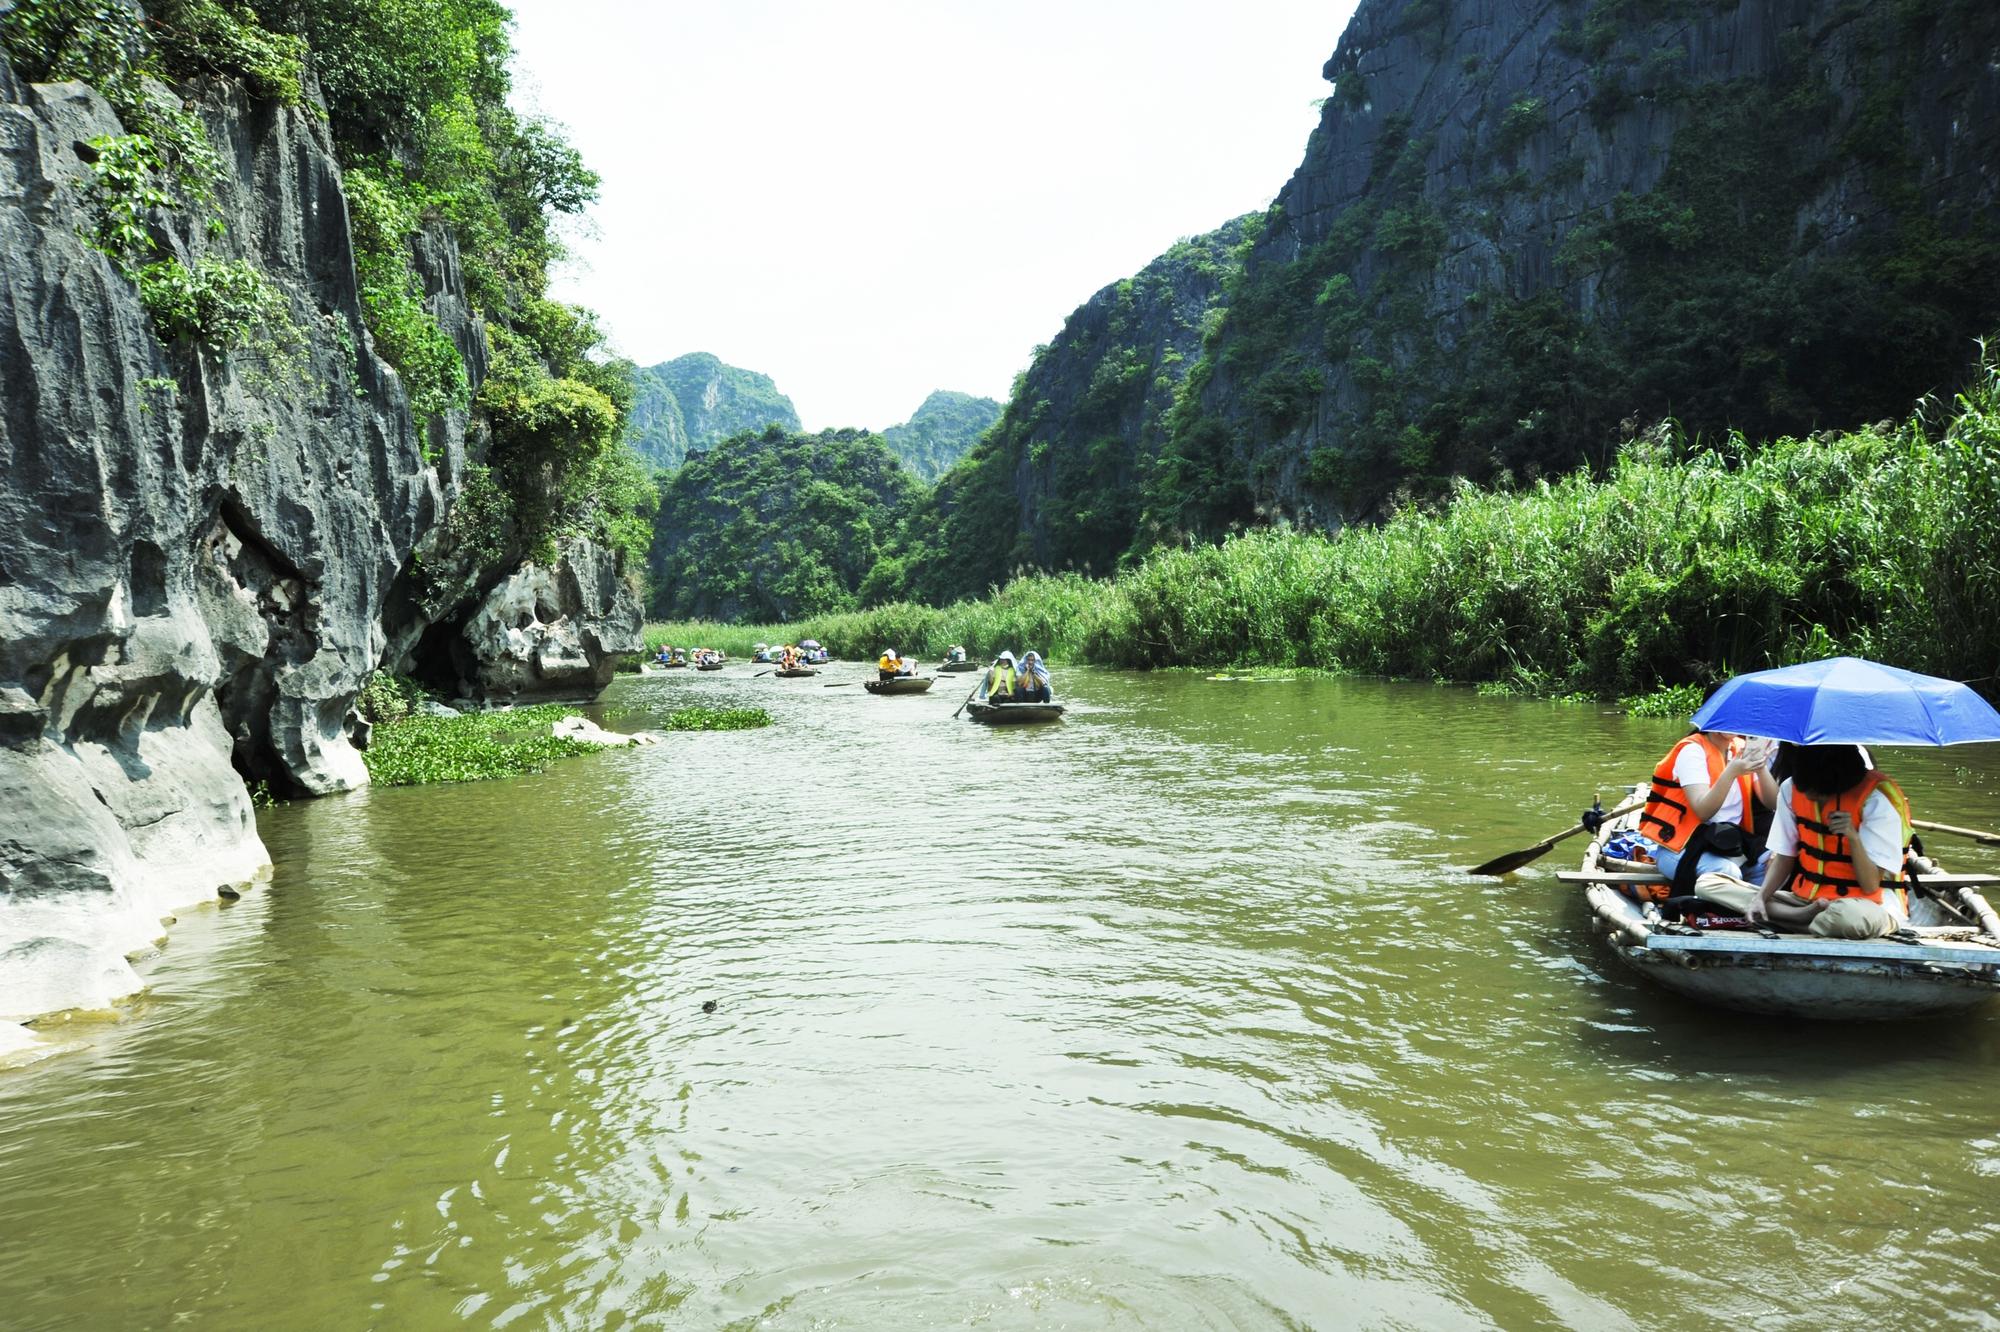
(202, 555)
(552, 631)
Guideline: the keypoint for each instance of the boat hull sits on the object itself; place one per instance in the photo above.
(794, 675)
(1014, 714)
(1799, 975)
(909, 685)
(714, 667)
(957, 667)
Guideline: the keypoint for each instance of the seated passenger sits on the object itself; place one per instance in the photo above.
(999, 685)
(956, 654)
(1703, 801)
(1837, 847)
(1034, 685)
(889, 665)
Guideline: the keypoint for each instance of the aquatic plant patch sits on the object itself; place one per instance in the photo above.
(715, 719)
(419, 749)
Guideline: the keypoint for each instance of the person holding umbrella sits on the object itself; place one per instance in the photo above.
(1841, 825)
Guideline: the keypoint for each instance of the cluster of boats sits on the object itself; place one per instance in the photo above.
(804, 659)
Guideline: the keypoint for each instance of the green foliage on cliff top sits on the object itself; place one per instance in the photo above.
(1683, 565)
(775, 525)
(940, 432)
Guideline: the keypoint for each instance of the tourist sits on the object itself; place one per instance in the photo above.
(889, 665)
(999, 686)
(1034, 685)
(1700, 814)
(1837, 846)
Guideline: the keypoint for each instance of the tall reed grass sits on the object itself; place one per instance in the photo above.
(1683, 565)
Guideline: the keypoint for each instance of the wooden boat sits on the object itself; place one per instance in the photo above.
(1013, 714)
(902, 684)
(708, 666)
(957, 667)
(1923, 970)
(796, 673)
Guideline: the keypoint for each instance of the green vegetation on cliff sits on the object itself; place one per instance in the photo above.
(775, 525)
(690, 403)
(940, 432)
(1682, 565)
(1804, 261)
(416, 96)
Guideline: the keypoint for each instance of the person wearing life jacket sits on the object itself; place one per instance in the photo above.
(1703, 799)
(889, 665)
(1837, 847)
(999, 686)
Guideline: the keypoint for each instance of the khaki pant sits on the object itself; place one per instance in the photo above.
(1841, 918)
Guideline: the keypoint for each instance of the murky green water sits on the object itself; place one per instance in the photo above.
(1175, 1016)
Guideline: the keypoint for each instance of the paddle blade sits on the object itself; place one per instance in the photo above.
(1513, 860)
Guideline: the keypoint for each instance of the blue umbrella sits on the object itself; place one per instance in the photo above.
(1849, 701)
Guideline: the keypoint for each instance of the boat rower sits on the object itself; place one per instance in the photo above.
(889, 665)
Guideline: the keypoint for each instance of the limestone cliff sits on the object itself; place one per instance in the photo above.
(1521, 230)
(203, 554)
(1523, 225)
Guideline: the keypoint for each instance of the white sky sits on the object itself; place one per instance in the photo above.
(870, 199)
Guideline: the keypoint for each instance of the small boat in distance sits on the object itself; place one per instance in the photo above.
(795, 673)
(957, 667)
(1924, 970)
(902, 684)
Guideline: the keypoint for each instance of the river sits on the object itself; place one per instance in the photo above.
(1176, 1015)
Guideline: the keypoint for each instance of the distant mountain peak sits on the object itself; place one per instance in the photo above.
(940, 432)
(687, 404)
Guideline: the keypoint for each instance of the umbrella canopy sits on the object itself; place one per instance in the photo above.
(1846, 700)
(808, 642)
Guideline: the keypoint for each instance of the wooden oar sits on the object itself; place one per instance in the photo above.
(968, 698)
(1991, 839)
(1512, 861)
(842, 685)
(759, 673)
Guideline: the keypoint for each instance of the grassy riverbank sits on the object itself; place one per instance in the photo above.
(1686, 563)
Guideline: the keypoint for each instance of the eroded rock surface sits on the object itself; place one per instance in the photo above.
(553, 631)
(202, 556)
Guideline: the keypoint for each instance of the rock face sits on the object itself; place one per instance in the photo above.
(200, 553)
(1522, 230)
(556, 631)
(685, 405)
(941, 431)
(1522, 224)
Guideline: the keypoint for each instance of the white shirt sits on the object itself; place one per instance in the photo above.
(1691, 770)
(1881, 833)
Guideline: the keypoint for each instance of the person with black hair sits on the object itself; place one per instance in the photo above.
(1837, 844)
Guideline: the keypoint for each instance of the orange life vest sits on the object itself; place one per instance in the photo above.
(1668, 817)
(1826, 866)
